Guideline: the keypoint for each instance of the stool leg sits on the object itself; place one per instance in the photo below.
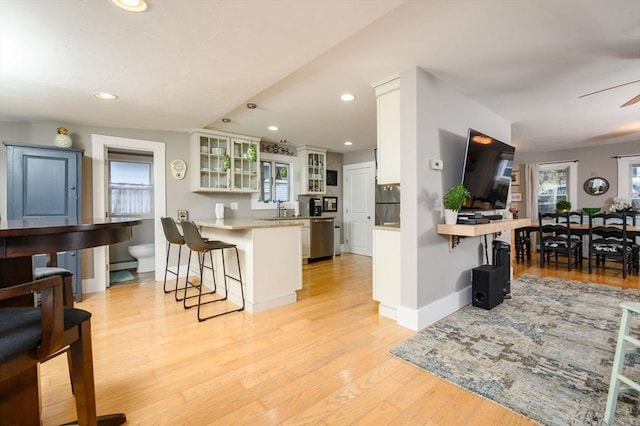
(226, 287)
(166, 268)
(618, 365)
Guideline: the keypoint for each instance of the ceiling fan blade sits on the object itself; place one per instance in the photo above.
(631, 101)
(609, 88)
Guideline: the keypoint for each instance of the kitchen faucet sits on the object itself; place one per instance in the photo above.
(282, 211)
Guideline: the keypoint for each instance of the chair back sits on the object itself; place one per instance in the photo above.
(608, 225)
(171, 232)
(556, 224)
(571, 217)
(192, 236)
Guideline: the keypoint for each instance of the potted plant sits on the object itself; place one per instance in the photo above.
(563, 206)
(453, 201)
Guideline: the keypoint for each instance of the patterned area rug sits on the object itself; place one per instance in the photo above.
(546, 353)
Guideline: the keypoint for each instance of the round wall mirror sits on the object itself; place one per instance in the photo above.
(596, 186)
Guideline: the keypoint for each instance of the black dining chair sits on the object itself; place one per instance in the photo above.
(608, 240)
(556, 238)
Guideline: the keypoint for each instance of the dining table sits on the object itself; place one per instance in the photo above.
(522, 236)
(20, 239)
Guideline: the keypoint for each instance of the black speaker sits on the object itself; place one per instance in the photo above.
(502, 257)
(487, 286)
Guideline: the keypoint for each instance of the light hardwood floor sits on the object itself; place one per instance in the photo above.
(321, 361)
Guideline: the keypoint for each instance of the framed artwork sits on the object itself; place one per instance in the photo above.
(330, 204)
(515, 177)
(516, 197)
(332, 177)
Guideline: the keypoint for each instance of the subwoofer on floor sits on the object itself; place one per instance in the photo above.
(487, 286)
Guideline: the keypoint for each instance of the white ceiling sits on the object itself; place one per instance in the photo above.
(183, 65)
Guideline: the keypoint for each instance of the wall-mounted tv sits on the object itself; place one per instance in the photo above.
(487, 171)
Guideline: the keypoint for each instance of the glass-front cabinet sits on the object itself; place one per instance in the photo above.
(246, 161)
(313, 162)
(224, 162)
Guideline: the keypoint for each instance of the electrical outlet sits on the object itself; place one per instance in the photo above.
(234, 206)
(436, 164)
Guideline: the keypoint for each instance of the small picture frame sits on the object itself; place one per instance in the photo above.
(332, 177)
(515, 177)
(516, 197)
(330, 204)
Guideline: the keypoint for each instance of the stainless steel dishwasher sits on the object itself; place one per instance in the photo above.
(321, 237)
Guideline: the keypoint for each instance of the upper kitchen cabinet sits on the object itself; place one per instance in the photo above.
(223, 162)
(313, 170)
(388, 154)
(246, 159)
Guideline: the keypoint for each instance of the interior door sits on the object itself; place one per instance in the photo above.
(359, 186)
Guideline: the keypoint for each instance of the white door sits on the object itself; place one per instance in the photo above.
(359, 185)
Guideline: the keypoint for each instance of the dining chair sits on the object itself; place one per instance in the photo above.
(608, 240)
(555, 237)
(31, 335)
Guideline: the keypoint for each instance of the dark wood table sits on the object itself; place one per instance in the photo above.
(19, 240)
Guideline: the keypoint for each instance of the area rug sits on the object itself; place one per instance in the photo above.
(120, 276)
(546, 353)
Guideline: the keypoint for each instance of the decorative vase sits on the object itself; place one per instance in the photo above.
(62, 139)
(450, 217)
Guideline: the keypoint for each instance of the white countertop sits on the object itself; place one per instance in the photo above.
(235, 224)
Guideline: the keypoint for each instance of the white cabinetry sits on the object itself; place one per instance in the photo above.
(306, 240)
(224, 162)
(313, 170)
(386, 271)
(388, 153)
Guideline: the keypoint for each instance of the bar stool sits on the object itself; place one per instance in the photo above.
(617, 372)
(173, 236)
(202, 246)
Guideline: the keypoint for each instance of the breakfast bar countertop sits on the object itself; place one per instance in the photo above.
(234, 224)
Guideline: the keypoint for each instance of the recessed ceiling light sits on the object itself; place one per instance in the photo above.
(273, 128)
(347, 97)
(105, 96)
(131, 5)
(348, 143)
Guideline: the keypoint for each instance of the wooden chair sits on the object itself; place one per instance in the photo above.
(31, 335)
(556, 238)
(608, 240)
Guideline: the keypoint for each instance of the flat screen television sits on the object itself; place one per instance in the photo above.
(487, 171)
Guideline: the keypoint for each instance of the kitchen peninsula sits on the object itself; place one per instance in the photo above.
(270, 253)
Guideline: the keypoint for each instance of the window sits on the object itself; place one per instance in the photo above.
(276, 181)
(556, 181)
(130, 185)
(629, 179)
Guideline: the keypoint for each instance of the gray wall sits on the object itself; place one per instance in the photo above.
(592, 161)
(434, 124)
(178, 196)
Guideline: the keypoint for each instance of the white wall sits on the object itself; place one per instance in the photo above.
(434, 124)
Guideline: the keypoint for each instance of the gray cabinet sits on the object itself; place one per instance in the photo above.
(46, 182)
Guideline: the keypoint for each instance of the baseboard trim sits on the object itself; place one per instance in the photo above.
(417, 319)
